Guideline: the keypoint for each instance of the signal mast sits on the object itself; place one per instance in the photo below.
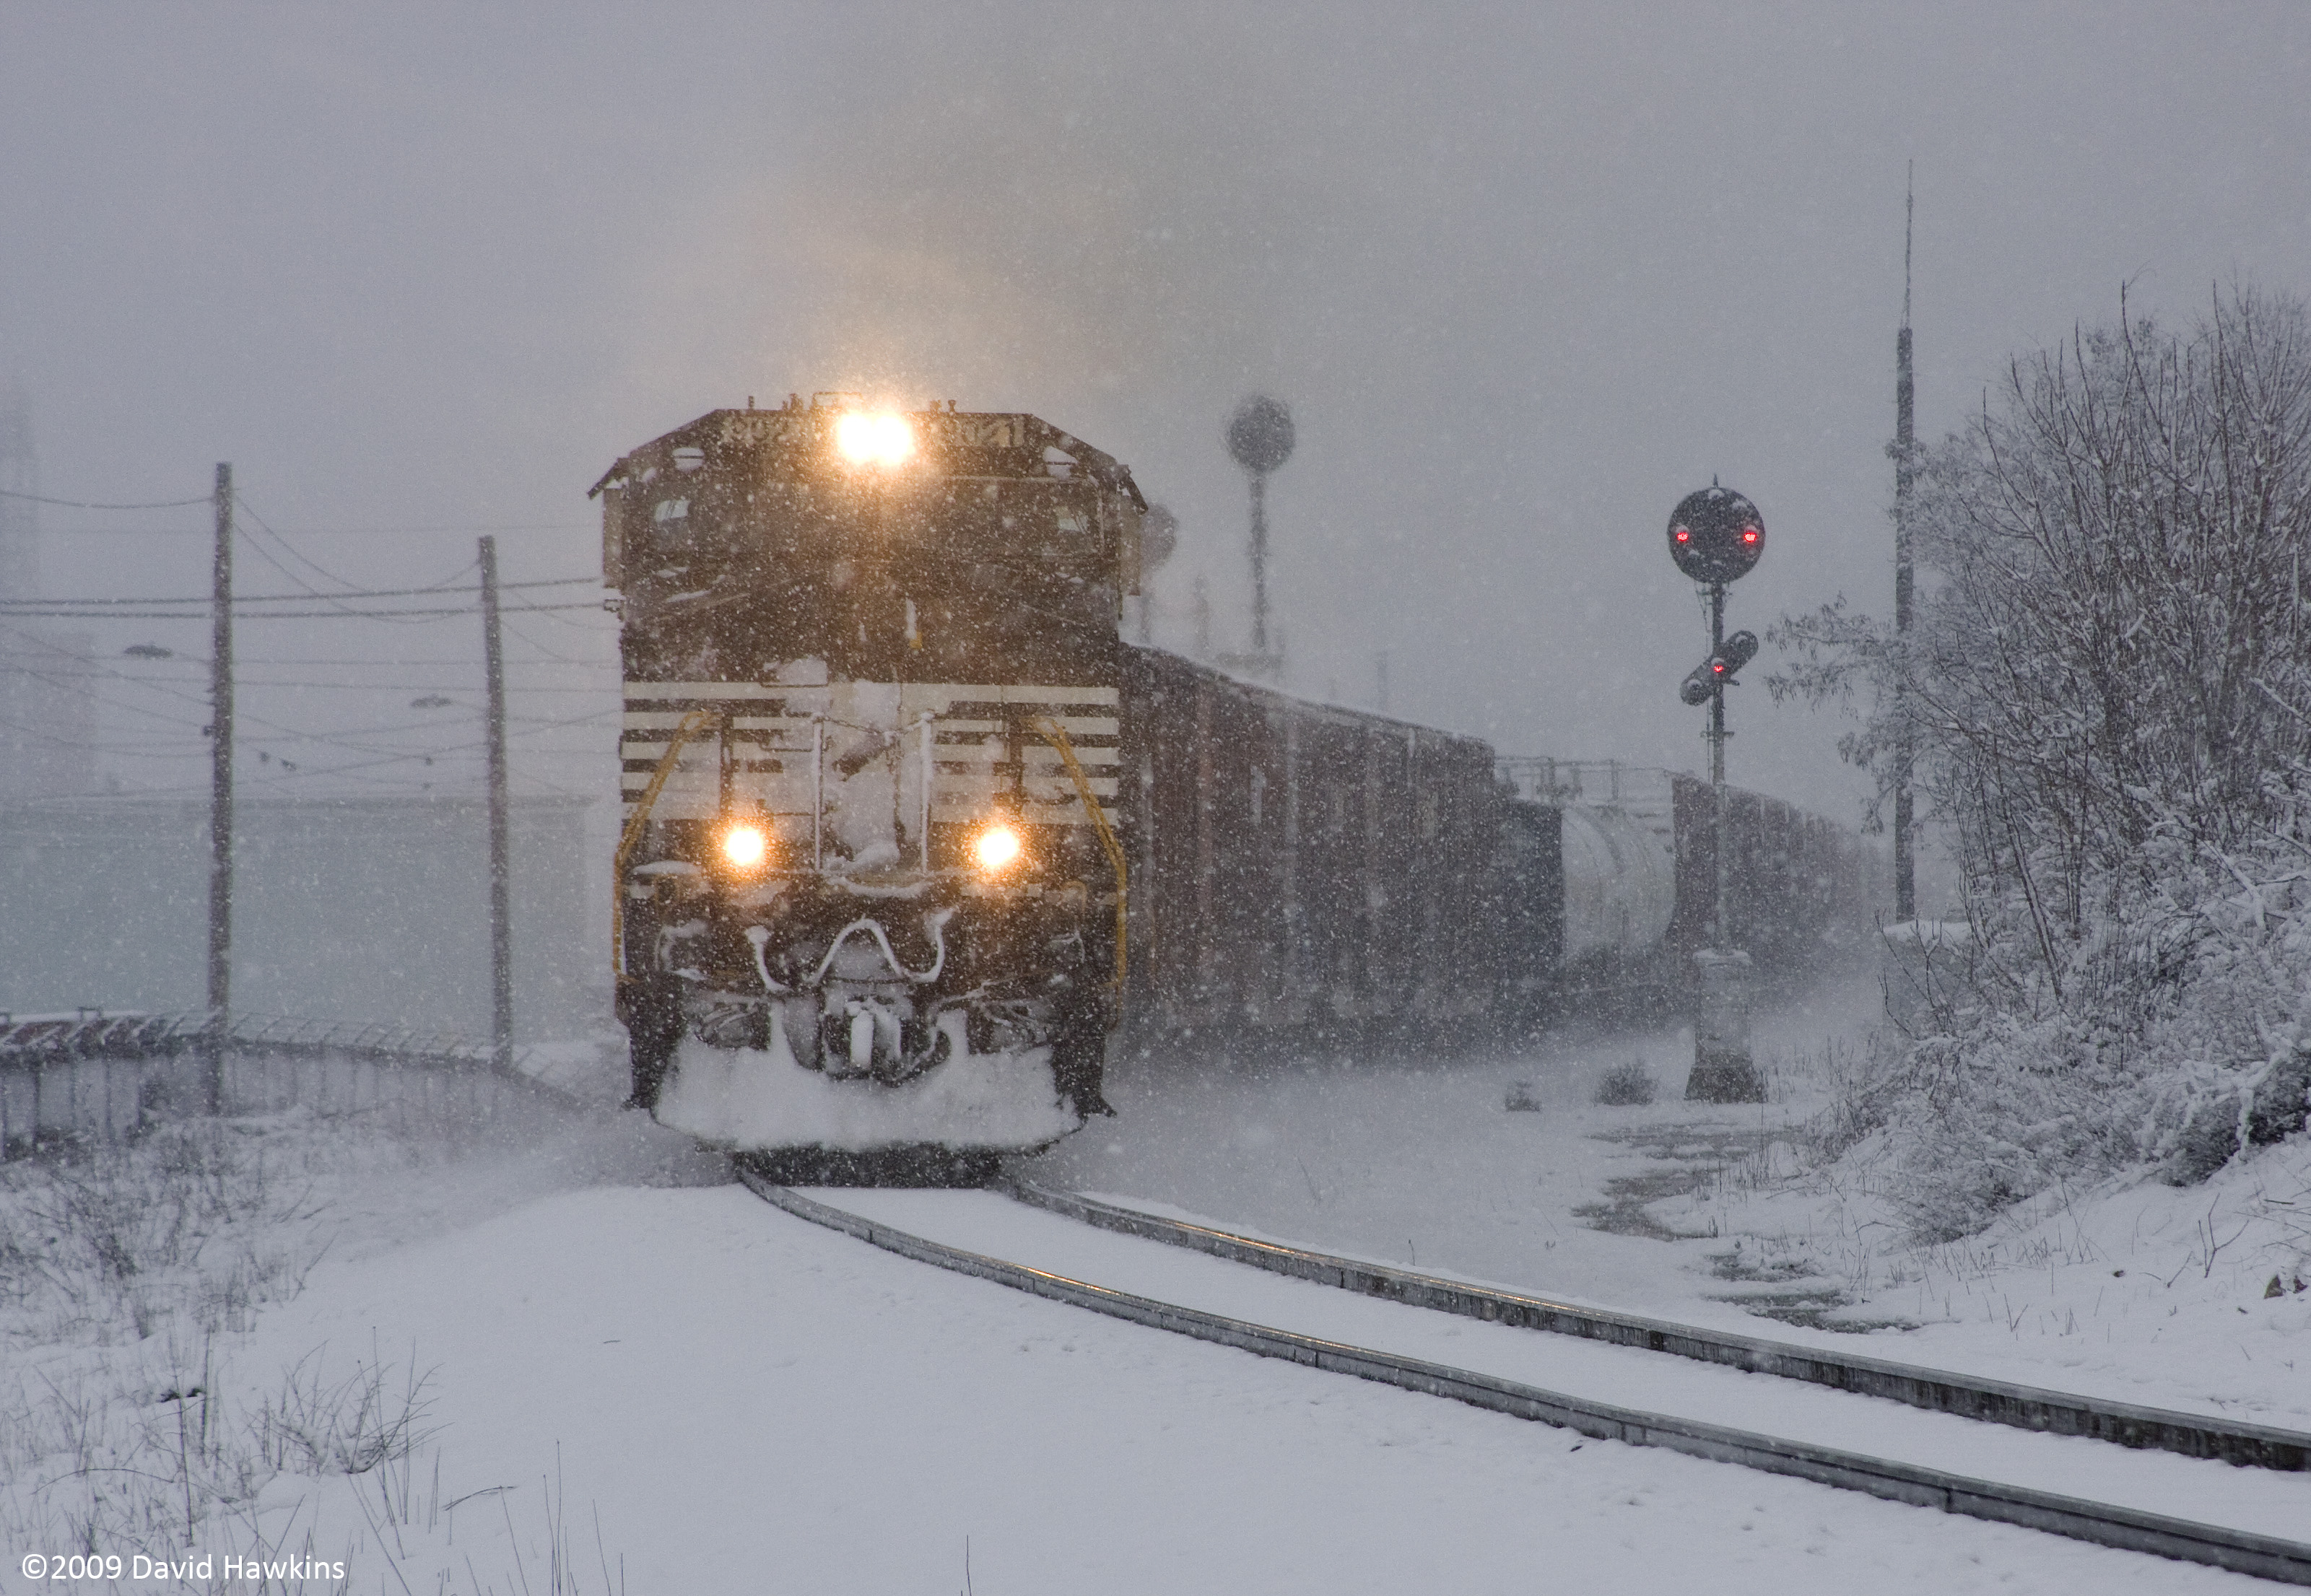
(1717, 536)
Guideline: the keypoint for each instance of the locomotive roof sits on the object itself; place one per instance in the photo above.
(951, 443)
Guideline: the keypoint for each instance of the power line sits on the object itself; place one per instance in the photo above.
(309, 591)
(301, 531)
(366, 685)
(201, 701)
(84, 504)
(251, 681)
(144, 750)
(541, 723)
(273, 776)
(272, 614)
(551, 655)
(291, 551)
(352, 661)
(9, 605)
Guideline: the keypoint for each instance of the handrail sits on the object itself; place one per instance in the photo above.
(1053, 733)
(692, 723)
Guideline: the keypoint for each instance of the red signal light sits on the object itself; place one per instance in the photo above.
(1749, 534)
(1685, 535)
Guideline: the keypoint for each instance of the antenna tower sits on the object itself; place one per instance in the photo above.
(1904, 453)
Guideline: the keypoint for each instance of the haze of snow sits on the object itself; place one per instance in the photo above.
(1527, 273)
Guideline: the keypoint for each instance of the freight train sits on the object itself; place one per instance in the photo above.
(910, 832)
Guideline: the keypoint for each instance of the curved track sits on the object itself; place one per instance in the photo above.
(1993, 1402)
(2102, 1523)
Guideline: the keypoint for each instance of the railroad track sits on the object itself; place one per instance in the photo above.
(1991, 1401)
(2104, 1524)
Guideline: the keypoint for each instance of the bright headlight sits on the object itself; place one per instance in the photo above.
(996, 847)
(743, 846)
(883, 440)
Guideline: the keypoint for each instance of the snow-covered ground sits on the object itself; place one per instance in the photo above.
(2258, 1501)
(659, 1387)
(2196, 1297)
(2139, 1291)
(616, 1363)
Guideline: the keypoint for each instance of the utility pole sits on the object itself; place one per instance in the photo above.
(1905, 876)
(219, 1020)
(501, 866)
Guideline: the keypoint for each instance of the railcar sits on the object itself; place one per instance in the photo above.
(1797, 887)
(909, 829)
(1303, 866)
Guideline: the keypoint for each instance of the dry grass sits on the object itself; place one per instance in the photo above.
(129, 1277)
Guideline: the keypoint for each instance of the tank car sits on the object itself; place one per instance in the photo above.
(871, 891)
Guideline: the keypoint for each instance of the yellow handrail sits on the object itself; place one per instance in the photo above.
(1053, 733)
(631, 838)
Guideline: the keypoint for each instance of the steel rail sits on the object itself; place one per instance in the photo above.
(2237, 1551)
(1991, 1401)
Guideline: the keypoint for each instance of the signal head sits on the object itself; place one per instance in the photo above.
(1716, 535)
(1717, 672)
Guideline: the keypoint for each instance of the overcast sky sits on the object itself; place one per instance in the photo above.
(1526, 273)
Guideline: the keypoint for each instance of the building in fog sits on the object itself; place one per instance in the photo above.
(48, 714)
(371, 910)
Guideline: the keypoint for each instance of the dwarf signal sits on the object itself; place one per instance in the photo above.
(1718, 669)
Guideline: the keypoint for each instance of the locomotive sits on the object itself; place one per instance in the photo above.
(909, 829)
(871, 894)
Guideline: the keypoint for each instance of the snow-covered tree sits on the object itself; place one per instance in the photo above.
(2108, 687)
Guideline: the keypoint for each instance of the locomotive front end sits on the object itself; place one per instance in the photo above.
(871, 894)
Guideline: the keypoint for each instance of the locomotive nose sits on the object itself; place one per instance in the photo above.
(860, 960)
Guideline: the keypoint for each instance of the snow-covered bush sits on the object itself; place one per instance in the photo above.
(1627, 1083)
(2108, 688)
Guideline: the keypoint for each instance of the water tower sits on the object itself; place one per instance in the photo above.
(1261, 436)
